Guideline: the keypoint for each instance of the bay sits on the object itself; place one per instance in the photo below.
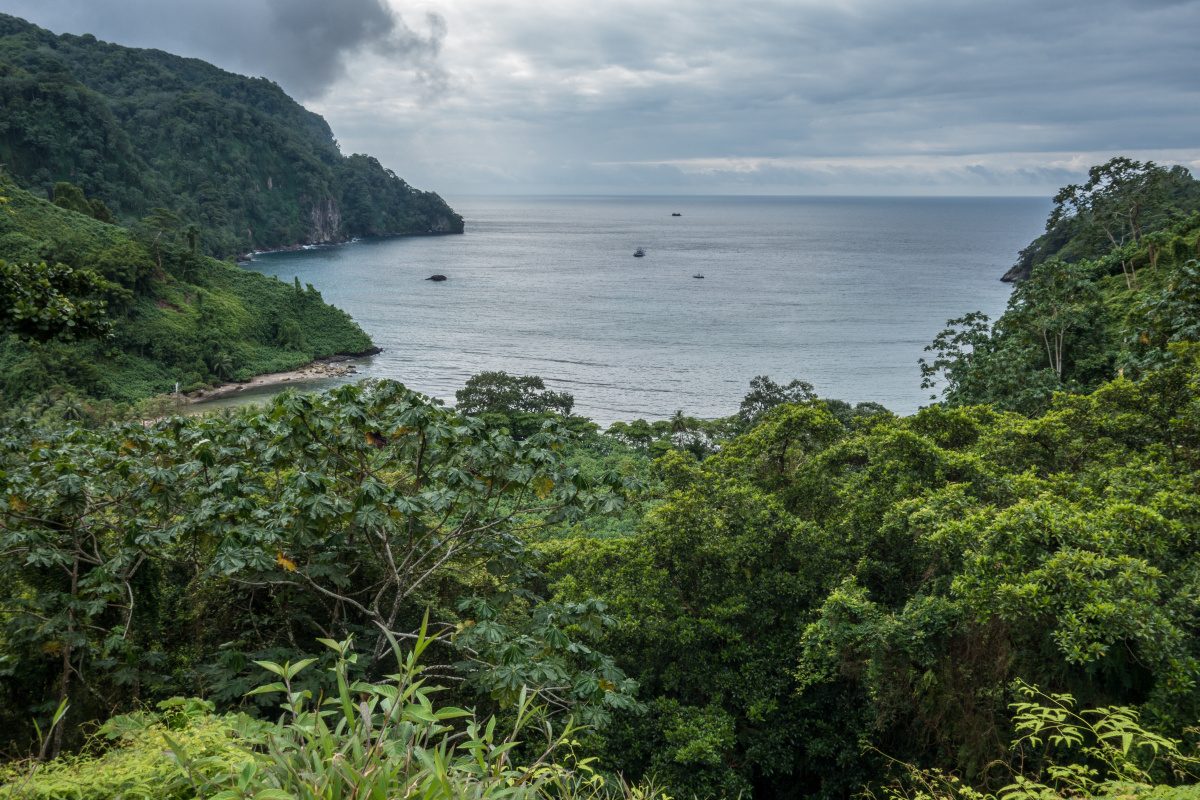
(842, 292)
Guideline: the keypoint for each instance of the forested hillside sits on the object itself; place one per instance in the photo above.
(366, 594)
(173, 316)
(1121, 202)
(140, 130)
(1109, 299)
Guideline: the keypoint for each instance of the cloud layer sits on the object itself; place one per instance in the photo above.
(303, 44)
(856, 96)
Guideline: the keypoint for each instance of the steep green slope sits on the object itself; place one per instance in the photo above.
(141, 129)
(1108, 300)
(179, 316)
(1121, 201)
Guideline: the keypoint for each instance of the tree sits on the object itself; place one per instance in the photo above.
(765, 394)
(1156, 243)
(1057, 299)
(68, 567)
(501, 393)
(71, 197)
(125, 262)
(1168, 316)
(220, 363)
(954, 349)
(101, 211)
(1123, 198)
(163, 224)
(520, 401)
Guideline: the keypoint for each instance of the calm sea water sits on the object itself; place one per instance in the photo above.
(841, 292)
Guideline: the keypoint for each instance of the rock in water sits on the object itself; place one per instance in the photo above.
(436, 278)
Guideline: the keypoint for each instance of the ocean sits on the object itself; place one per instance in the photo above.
(841, 292)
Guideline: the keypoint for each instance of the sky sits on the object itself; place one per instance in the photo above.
(930, 97)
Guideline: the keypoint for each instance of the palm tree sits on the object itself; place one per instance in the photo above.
(221, 364)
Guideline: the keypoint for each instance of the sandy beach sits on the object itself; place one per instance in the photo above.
(332, 367)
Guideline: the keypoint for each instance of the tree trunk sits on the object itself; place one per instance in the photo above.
(53, 743)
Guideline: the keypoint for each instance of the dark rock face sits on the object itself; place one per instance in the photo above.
(1017, 272)
(436, 278)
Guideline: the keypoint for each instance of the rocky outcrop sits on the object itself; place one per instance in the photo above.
(1017, 272)
(326, 219)
(446, 224)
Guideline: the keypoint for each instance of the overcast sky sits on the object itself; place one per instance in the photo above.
(707, 96)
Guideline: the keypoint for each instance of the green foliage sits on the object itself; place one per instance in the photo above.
(908, 570)
(69, 196)
(139, 129)
(501, 393)
(705, 600)
(364, 740)
(522, 402)
(38, 301)
(801, 600)
(1060, 752)
(129, 757)
(766, 394)
(174, 317)
(147, 559)
(703, 437)
(1106, 749)
(1169, 316)
(538, 648)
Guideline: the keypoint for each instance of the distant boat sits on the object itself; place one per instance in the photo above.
(639, 253)
(676, 214)
(697, 275)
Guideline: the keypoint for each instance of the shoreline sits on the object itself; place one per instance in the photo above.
(335, 366)
(246, 258)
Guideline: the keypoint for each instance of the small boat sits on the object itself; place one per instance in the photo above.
(639, 253)
(697, 275)
(676, 214)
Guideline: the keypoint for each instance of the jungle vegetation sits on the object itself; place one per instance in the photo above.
(365, 593)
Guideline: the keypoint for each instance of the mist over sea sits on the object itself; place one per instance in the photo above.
(842, 292)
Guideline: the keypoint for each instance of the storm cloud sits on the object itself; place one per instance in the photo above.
(305, 45)
(765, 96)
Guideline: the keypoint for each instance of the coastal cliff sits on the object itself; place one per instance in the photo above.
(143, 130)
(326, 221)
